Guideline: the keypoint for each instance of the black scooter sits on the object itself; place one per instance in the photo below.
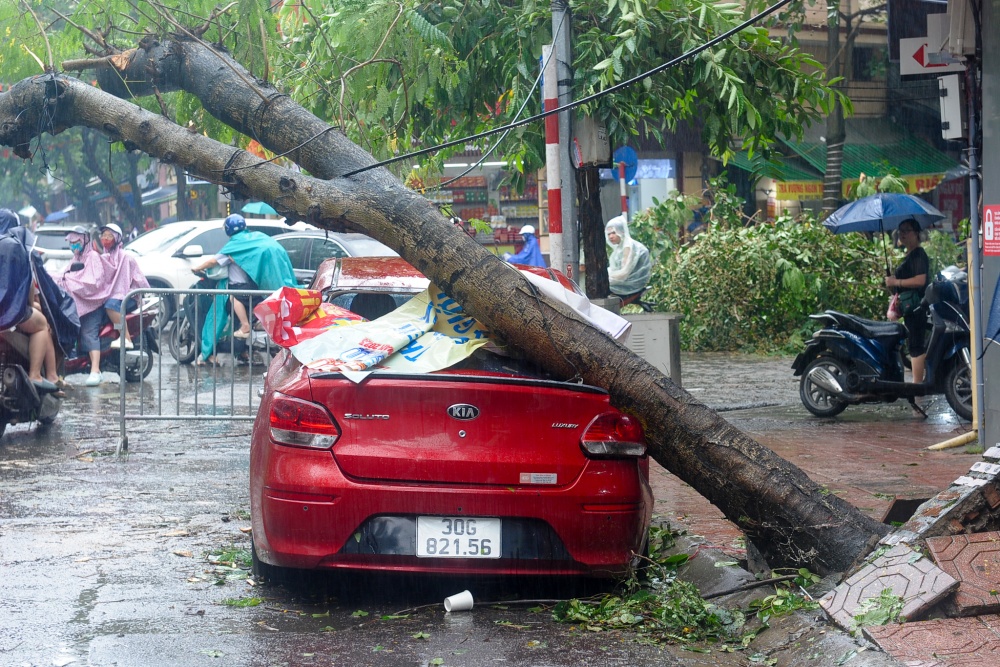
(852, 360)
(20, 400)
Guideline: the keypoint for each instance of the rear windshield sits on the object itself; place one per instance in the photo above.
(370, 248)
(51, 241)
(370, 299)
(158, 239)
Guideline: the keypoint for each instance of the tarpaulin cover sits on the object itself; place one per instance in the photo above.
(428, 333)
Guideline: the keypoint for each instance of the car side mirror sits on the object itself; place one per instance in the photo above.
(192, 251)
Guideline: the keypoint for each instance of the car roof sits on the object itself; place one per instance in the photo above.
(374, 273)
(217, 222)
(370, 247)
(180, 231)
(396, 274)
(63, 228)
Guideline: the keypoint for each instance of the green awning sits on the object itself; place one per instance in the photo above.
(905, 152)
(789, 169)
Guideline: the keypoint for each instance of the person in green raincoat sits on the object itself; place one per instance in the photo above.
(255, 261)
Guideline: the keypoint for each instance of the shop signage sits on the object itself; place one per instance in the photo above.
(991, 230)
(813, 190)
(915, 183)
(798, 190)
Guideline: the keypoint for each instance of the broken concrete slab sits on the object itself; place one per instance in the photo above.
(906, 572)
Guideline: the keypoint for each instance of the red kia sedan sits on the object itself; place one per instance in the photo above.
(490, 467)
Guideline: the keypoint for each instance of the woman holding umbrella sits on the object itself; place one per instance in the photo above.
(910, 281)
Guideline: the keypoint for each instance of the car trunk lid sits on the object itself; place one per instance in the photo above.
(459, 427)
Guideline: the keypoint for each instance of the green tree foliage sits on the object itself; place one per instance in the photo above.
(39, 35)
(753, 288)
(398, 76)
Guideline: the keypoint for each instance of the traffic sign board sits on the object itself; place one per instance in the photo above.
(914, 58)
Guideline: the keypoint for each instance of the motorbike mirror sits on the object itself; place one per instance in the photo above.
(194, 250)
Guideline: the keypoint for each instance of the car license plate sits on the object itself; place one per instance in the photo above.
(458, 537)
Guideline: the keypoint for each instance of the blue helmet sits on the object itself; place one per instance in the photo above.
(234, 224)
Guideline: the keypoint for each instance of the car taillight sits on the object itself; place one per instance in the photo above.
(301, 423)
(613, 435)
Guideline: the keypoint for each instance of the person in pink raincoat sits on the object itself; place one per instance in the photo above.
(98, 287)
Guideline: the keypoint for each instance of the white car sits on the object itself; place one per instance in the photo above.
(166, 254)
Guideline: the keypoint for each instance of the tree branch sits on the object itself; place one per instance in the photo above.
(97, 37)
(372, 59)
(45, 38)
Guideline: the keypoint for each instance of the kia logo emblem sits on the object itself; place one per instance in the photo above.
(463, 411)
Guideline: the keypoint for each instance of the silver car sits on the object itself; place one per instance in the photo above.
(308, 249)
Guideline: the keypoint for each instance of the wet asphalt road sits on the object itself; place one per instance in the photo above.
(112, 561)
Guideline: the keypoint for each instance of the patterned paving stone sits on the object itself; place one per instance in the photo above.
(917, 580)
(947, 642)
(975, 561)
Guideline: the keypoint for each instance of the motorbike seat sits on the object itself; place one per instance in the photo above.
(868, 328)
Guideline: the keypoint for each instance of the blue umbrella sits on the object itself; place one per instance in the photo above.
(881, 213)
(259, 208)
(57, 216)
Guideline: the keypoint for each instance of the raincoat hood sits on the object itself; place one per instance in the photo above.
(629, 265)
(8, 220)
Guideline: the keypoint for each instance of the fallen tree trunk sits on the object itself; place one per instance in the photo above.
(789, 518)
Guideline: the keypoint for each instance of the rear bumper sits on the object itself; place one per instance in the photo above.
(308, 515)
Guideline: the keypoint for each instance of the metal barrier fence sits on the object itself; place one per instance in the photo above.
(181, 338)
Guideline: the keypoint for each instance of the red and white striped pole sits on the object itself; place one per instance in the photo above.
(622, 190)
(553, 181)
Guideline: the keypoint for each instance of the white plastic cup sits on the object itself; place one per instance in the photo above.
(458, 602)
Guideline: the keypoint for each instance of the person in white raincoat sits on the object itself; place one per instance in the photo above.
(629, 264)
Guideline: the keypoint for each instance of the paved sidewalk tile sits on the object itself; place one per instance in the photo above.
(917, 580)
(975, 561)
(947, 642)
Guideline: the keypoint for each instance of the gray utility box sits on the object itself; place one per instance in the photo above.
(656, 338)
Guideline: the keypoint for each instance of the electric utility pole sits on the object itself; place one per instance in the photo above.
(561, 41)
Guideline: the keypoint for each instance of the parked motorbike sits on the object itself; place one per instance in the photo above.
(141, 322)
(185, 335)
(852, 360)
(20, 400)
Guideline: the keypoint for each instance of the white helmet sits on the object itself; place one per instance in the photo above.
(527, 229)
(113, 227)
